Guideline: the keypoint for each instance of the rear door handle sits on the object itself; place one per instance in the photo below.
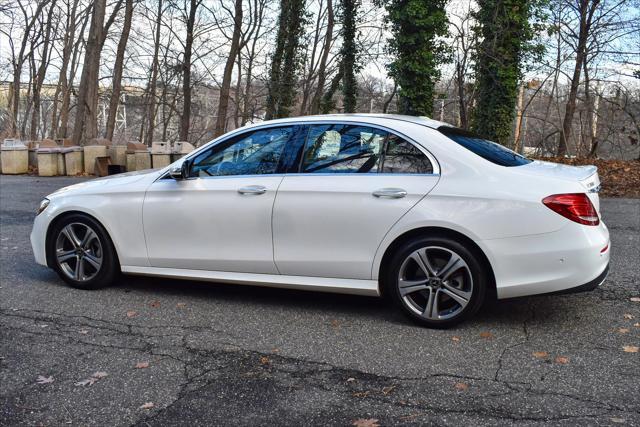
(252, 189)
(390, 193)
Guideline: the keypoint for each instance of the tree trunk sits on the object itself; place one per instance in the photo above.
(349, 51)
(185, 119)
(117, 69)
(154, 78)
(586, 15)
(223, 104)
(322, 67)
(42, 69)
(86, 125)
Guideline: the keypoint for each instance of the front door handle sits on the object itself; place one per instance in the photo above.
(390, 193)
(252, 189)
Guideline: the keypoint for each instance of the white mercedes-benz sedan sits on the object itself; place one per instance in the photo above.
(430, 215)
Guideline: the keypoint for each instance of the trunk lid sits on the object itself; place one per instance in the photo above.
(587, 176)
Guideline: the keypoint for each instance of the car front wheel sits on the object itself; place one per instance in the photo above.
(437, 282)
(83, 255)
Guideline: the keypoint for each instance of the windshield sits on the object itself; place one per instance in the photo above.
(488, 150)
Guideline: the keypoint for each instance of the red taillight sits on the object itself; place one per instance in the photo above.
(576, 207)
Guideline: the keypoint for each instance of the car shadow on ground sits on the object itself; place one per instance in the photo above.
(509, 312)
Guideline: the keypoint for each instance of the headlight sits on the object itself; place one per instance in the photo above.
(43, 205)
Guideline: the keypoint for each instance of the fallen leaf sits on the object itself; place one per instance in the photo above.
(361, 393)
(540, 354)
(455, 339)
(181, 305)
(623, 330)
(92, 380)
(43, 326)
(147, 405)
(387, 390)
(83, 331)
(617, 420)
(264, 360)
(365, 422)
(487, 335)
(630, 349)
(561, 360)
(350, 380)
(637, 325)
(335, 323)
(44, 380)
(634, 299)
(155, 304)
(461, 386)
(628, 316)
(142, 365)
(131, 313)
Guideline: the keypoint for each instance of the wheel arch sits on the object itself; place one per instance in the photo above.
(60, 217)
(435, 231)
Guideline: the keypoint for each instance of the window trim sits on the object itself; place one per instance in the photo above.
(308, 123)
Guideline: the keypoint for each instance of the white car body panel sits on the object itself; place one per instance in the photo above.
(295, 234)
(205, 224)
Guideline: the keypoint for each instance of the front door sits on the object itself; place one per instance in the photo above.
(354, 184)
(219, 219)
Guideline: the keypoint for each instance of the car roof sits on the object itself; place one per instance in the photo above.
(367, 117)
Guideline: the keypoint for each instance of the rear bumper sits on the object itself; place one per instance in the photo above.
(589, 286)
(557, 262)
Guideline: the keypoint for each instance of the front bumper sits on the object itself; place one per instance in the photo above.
(38, 238)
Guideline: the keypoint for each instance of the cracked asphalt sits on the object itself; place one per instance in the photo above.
(238, 355)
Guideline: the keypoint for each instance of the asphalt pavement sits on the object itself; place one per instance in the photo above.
(153, 352)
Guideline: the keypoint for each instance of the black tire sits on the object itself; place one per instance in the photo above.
(109, 267)
(437, 247)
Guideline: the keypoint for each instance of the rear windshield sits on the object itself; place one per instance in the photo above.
(488, 150)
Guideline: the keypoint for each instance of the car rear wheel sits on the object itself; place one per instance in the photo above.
(437, 281)
(82, 253)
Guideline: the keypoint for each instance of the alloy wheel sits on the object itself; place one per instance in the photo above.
(435, 283)
(79, 252)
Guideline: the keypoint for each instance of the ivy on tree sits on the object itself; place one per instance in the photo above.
(418, 28)
(285, 60)
(349, 52)
(505, 31)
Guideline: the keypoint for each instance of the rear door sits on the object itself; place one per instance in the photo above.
(354, 183)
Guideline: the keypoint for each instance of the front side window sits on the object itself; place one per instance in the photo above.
(488, 150)
(343, 149)
(253, 153)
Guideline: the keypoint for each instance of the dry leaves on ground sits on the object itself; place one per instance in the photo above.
(540, 354)
(387, 390)
(93, 379)
(264, 360)
(131, 314)
(623, 330)
(561, 360)
(142, 365)
(155, 304)
(461, 386)
(455, 339)
(619, 178)
(486, 335)
(630, 349)
(634, 299)
(44, 380)
(366, 422)
(628, 316)
(181, 305)
(147, 405)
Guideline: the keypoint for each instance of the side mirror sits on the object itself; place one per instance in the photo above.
(180, 172)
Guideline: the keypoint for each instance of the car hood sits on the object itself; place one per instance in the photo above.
(108, 184)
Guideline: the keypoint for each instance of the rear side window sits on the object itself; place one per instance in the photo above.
(488, 150)
(403, 157)
(339, 148)
(343, 149)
